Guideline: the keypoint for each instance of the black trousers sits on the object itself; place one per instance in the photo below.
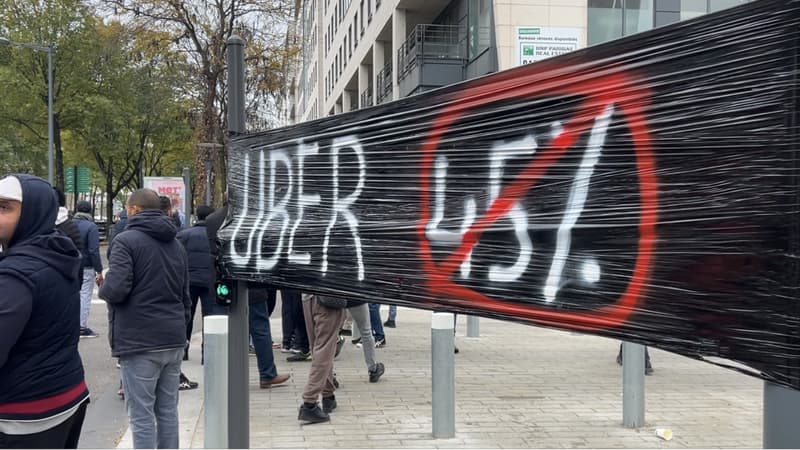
(293, 322)
(65, 435)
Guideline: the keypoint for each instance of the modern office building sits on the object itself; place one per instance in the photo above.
(359, 53)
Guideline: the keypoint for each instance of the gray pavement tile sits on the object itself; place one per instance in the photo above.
(551, 389)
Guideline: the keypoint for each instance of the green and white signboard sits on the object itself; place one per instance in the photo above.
(538, 43)
(83, 176)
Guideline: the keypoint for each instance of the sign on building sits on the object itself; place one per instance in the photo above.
(538, 43)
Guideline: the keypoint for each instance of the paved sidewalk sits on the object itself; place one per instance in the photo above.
(516, 387)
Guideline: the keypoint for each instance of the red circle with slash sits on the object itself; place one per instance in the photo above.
(598, 91)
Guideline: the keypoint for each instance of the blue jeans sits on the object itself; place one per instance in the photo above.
(375, 321)
(262, 340)
(150, 381)
(392, 312)
(87, 286)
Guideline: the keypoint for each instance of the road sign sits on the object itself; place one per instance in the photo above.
(83, 176)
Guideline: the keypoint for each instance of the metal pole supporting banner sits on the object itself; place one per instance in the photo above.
(632, 385)
(215, 381)
(238, 369)
(781, 412)
(443, 374)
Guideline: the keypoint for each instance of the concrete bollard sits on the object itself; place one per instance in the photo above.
(215, 381)
(781, 407)
(443, 373)
(473, 327)
(632, 385)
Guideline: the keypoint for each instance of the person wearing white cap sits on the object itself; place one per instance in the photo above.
(43, 394)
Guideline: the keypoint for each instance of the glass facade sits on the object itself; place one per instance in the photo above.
(480, 22)
(611, 19)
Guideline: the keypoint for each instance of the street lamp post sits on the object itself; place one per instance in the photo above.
(50, 131)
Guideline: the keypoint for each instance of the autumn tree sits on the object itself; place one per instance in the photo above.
(135, 121)
(65, 24)
(201, 30)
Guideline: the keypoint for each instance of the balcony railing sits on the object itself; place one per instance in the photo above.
(366, 97)
(428, 41)
(384, 82)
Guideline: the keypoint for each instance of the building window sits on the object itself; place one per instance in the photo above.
(605, 20)
(716, 5)
(693, 8)
(611, 19)
(638, 16)
(480, 16)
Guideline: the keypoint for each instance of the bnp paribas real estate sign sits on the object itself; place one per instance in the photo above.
(538, 43)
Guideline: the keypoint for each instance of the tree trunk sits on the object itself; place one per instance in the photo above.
(58, 155)
(207, 134)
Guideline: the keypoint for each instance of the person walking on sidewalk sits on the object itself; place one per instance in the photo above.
(201, 271)
(92, 265)
(261, 334)
(377, 325)
(360, 313)
(322, 325)
(166, 208)
(43, 394)
(147, 290)
(390, 321)
(66, 224)
(295, 336)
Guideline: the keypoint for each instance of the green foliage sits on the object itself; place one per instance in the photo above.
(121, 103)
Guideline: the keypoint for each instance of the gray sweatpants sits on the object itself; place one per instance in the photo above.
(322, 324)
(360, 315)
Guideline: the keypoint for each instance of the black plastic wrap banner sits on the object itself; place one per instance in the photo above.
(645, 189)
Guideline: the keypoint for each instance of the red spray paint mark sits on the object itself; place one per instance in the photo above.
(598, 91)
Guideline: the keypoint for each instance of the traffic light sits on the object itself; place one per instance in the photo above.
(224, 292)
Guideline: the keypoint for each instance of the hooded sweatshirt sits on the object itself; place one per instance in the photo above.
(41, 373)
(147, 287)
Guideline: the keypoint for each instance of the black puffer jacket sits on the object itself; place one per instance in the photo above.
(147, 287)
(198, 250)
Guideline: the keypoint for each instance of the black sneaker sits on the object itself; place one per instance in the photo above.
(302, 356)
(339, 345)
(312, 413)
(87, 332)
(329, 403)
(187, 384)
(356, 341)
(390, 324)
(380, 343)
(345, 332)
(376, 372)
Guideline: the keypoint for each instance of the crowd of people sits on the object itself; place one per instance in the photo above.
(159, 271)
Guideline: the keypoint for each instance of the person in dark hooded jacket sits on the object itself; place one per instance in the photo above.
(201, 269)
(43, 394)
(147, 290)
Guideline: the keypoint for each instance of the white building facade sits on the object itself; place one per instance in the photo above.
(360, 53)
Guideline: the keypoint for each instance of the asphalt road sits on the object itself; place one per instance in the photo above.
(106, 420)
